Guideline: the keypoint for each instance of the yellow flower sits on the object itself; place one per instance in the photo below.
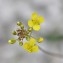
(31, 46)
(40, 40)
(35, 21)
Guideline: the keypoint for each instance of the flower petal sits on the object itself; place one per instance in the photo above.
(30, 47)
(32, 41)
(25, 45)
(34, 16)
(30, 23)
(36, 27)
(35, 48)
(40, 19)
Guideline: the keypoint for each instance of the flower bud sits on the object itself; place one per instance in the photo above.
(20, 43)
(14, 32)
(30, 29)
(39, 40)
(22, 26)
(27, 38)
(19, 23)
(11, 41)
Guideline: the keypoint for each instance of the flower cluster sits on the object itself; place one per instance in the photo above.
(35, 21)
(30, 44)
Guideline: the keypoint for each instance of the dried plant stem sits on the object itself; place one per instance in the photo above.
(50, 53)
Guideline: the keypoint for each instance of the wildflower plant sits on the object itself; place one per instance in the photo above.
(30, 45)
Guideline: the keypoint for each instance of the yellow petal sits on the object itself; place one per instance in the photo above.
(29, 51)
(34, 16)
(36, 27)
(25, 45)
(30, 23)
(30, 48)
(40, 19)
(35, 48)
(32, 41)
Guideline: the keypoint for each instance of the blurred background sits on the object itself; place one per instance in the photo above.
(12, 11)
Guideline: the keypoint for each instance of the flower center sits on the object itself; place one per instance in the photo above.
(21, 34)
(35, 22)
(30, 48)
